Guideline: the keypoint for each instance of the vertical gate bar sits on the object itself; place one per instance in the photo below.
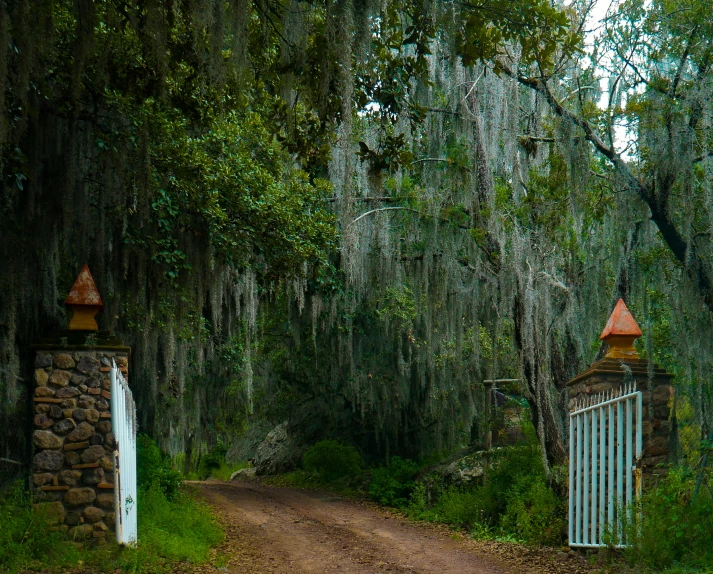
(629, 459)
(571, 480)
(586, 480)
(595, 494)
(133, 449)
(639, 474)
(639, 406)
(619, 468)
(610, 493)
(122, 450)
(602, 469)
(578, 508)
(125, 450)
(117, 507)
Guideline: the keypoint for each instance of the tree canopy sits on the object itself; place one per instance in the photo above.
(346, 214)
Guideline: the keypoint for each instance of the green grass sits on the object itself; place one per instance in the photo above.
(26, 537)
(170, 531)
(225, 470)
(178, 530)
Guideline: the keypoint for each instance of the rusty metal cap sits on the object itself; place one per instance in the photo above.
(84, 291)
(621, 323)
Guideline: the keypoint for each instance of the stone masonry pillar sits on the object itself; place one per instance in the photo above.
(622, 364)
(72, 466)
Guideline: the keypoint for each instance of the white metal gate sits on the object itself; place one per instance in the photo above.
(604, 467)
(123, 425)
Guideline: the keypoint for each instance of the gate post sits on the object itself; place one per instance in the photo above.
(72, 466)
(622, 365)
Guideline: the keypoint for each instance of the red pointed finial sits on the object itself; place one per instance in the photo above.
(85, 302)
(620, 333)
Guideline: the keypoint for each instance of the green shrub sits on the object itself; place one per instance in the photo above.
(330, 460)
(512, 501)
(153, 468)
(212, 461)
(456, 506)
(534, 513)
(26, 538)
(393, 484)
(675, 530)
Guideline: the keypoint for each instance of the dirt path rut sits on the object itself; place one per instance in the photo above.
(281, 530)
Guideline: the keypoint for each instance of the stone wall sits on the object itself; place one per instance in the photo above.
(657, 393)
(73, 443)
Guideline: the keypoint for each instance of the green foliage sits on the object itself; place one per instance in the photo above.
(171, 531)
(675, 529)
(330, 460)
(539, 27)
(392, 485)
(513, 501)
(154, 469)
(25, 536)
(534, 513)
(212, 461)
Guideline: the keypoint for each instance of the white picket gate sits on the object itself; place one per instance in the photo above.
(604, 467)
(123, 425)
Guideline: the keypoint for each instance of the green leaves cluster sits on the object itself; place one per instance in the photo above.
(538, 28)
(234, 186)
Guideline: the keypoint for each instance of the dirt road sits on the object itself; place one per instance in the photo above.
(281, 530)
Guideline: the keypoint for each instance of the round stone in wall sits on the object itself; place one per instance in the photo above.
(82, 432)
(45, 439)
(92, 454)
(70, 477)
(92, 416)
(93, 514)
(105, 500)
(48, 460)
(104, 426)
(60, 378)
(72, 458)
(64, 426)
(93, 476)
(43, 421)
(78, 496)
(63, 361)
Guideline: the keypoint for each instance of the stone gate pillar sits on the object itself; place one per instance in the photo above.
(622, 364)
(72, 465)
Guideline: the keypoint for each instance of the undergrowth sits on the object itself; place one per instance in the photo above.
(675, 532)
(512, 501)
(173, 527)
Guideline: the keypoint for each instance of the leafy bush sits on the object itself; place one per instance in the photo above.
(26, 540)
(393, 484)
(212, 461)
(534, 513)
(330, 460)
(512, 501)
(155, 469)
(675, 529)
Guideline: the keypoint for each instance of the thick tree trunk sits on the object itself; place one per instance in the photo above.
(544, 409)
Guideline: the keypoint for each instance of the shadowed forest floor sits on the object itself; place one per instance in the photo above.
(281, 530)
